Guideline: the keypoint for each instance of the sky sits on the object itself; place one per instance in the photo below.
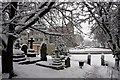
(86, 30)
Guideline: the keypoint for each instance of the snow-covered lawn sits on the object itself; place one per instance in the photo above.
(95, 58)
(90, 50)
(93, 71)
(33, 71)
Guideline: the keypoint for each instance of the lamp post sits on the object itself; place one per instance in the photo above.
(28, 31)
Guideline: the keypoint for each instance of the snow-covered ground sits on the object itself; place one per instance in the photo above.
(90, 50)
(95, 70)
(95, 58)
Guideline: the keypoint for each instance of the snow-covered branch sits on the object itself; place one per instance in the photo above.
(36, 17)
(47, 32)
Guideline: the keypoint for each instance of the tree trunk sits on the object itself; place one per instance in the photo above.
(117, 53)
(7, 61)
(7, 53)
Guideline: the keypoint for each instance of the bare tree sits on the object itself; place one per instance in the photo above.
(50, 14)
(18, 16)
(105, 15)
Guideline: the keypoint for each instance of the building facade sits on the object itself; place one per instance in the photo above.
(68, 34)
(68, 37)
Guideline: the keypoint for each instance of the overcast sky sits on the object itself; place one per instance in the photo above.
(86, 30)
